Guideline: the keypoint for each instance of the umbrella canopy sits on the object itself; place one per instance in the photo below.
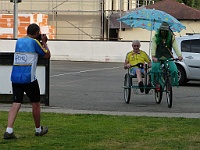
(151, 19)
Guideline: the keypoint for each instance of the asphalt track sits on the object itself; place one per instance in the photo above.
(97, 88)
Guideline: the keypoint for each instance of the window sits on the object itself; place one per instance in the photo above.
(131, 4)
(191, 46)
(195, 46)
(185, 46)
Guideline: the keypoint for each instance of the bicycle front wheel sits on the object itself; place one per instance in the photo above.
(169, 92)
(127, 88)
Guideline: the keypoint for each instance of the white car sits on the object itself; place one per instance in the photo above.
(189, 68)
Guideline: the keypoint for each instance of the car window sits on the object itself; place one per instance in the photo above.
(191, 46)
(195, 46)
(185, 46)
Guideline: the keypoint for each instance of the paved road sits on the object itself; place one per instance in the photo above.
(96, 86)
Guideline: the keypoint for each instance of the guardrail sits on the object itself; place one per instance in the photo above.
(42, 73)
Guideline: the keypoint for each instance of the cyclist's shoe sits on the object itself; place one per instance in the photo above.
(44, 131)
(141, 86)
(8, 136)
(148, 88)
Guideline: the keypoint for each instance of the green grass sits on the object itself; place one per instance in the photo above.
(102, 132)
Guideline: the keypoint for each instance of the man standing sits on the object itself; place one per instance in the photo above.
(24, 80)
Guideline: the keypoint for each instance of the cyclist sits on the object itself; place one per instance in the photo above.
(135, 60)
(162, 44)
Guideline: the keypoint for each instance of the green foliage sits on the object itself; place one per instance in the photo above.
(191, 3)
(100, 132)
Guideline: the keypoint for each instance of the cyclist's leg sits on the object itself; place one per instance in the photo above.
(138, 73)
(155, 71)
(173, 73)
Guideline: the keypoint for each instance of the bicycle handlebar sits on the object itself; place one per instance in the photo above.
(169, 59)
(140, 65)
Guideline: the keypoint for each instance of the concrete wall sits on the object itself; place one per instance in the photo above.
(102, 51)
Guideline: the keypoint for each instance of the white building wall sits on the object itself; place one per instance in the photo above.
(102, 51)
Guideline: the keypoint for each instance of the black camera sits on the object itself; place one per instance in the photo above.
(40, 39)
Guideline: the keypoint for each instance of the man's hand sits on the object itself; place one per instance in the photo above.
(180, 58)
(126, 66)
(154, 59)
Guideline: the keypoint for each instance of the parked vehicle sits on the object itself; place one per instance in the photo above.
(189, 68)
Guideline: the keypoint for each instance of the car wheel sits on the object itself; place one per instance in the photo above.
(181, 75)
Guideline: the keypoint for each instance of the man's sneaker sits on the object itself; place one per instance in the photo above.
(44, 130)
(148, 88)
(141, 86)
(8, 136)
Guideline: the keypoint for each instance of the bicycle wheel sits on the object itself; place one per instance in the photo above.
(127, 88)
(169, 92)
(158, 94)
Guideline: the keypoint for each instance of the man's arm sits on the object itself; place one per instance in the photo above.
(176, 49)
(44, 40)
(47, 55)
(153, 49)
(126, 64)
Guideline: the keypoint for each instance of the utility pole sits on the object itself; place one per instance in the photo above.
(15, 20)
(102, 19)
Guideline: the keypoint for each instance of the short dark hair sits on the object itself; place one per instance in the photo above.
(32, 29)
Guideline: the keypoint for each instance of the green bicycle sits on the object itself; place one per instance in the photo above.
(163, 83)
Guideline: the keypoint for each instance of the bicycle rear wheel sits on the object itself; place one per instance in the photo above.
(127, 88)
(158, 94)
(169, 92)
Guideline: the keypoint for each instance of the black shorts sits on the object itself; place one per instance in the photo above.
(32, 90)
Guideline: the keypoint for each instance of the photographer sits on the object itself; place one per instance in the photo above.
(24, 79)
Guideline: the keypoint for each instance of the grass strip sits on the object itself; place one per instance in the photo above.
(102, 132)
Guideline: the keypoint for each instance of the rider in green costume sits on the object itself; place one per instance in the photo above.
(162, 44)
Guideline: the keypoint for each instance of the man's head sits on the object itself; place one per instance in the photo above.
(136, 45)
(33, 30)
(164, 26)
(164, 29)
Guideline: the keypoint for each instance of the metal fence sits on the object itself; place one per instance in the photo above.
(76, 19)
(72, 19)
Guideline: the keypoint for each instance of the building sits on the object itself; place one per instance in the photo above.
(188, 16)
(87, 19)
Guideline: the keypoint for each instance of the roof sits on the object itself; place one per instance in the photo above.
(178, 10)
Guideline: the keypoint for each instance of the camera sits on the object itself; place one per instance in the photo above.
(40, 39)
